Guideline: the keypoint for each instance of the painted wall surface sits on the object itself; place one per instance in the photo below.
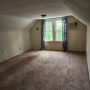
(76, 35)
(13, 43)
(36, 35)
(53, 45)
(14, 36)
(88, 48)
(36, 39)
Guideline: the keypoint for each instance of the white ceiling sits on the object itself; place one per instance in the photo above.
(52, 8)
(33, 8)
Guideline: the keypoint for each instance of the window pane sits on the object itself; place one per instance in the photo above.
(48, 26)
(58, 30)
(48, 36)
(48, 31)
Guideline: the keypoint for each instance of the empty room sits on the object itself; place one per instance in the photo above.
(44, 45)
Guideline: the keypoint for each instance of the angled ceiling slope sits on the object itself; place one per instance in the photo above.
(33, 8)
(53, 8)
(15, 23)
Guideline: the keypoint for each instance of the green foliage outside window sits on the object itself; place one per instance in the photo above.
(58, 31)
(49, 31)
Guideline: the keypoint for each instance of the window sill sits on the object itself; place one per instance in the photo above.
(53, 41)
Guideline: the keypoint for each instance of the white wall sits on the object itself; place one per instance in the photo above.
(14, 36)
(88, 48)
(36, 39)
(36, 35)
(53, 45)
(76, 35)
(13, 43)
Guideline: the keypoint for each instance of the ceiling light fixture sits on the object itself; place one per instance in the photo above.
(43, 15)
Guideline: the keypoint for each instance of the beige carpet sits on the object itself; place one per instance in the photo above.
(45, 70)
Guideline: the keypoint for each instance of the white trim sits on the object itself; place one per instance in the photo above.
(53, 19)
(53, 41)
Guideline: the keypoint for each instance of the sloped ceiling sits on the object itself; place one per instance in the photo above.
(33, 8)
(79, 8)
(14, 23)
(52, 8)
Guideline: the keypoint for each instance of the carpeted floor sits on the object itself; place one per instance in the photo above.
(45, 70)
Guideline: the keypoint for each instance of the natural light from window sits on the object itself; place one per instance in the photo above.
(53, 30)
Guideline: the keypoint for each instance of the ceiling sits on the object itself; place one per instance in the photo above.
(33, 8)
(52, 8)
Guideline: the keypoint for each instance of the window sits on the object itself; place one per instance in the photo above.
(53, 30)
(58, 30)
(48, 33)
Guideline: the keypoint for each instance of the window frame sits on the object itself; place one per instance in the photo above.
(53, 20)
